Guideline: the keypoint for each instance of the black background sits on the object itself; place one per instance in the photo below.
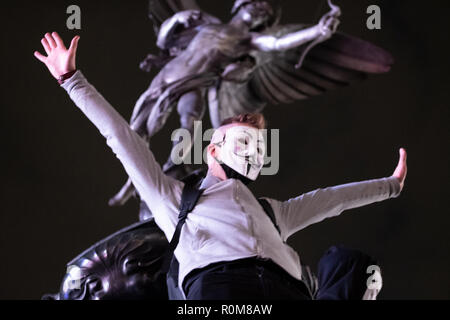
(58, 173)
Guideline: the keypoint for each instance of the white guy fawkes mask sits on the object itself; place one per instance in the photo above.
(242, 148)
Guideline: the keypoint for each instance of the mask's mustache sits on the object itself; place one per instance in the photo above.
(251, 160)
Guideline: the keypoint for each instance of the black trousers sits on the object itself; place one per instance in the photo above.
(245, 279)
(341, 276)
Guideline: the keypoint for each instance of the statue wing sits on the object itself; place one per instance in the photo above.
(337, 62)
(161, 10)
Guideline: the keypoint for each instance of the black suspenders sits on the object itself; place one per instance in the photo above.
(269, 211)
(189, 199)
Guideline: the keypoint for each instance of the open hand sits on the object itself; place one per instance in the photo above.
(400, 171)
(59, 60)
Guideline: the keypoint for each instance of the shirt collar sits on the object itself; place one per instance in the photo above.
(209, 181)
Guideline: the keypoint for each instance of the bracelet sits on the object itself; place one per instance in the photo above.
(65, 76)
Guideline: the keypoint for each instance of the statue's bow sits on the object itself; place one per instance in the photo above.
(334, 13)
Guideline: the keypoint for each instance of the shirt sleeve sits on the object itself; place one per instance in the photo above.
(312, 207)
(154, 187)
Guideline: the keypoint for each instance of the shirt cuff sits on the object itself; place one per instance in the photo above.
(394, 187)
(70, 83)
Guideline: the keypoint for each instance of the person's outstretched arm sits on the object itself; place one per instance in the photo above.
(315, 206)
(154, 187)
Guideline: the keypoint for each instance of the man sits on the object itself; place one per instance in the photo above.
(228, 248)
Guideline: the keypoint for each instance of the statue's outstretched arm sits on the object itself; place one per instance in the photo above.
(170, 25)
(271, 43)
(319, 32)
(186, 18)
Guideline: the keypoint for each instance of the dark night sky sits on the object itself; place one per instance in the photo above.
(58, 172)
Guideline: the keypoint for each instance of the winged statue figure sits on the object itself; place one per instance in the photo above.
(240, 66)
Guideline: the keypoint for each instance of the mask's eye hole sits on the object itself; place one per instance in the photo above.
(243, 141)
(260, 147)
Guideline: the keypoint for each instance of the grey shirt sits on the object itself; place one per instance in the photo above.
(227, 223)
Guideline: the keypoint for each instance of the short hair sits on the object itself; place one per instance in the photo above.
(255, 120)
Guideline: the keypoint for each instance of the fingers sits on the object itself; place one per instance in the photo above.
(404, 166)
(46, 46)
(402, 152)
(58, 40)
(50, 40)
(402, 159)
(74, 44)
(40, 57)
(401, 169)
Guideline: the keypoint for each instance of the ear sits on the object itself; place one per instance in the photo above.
(212, 150)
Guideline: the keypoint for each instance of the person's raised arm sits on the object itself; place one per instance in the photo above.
(315, 206)
(154, 187)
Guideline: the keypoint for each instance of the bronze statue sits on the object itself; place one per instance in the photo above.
(240, 66)
(126, 265)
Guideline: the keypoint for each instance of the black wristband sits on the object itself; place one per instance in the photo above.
(65, 76)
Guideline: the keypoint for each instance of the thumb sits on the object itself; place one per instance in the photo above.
(74, 44)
